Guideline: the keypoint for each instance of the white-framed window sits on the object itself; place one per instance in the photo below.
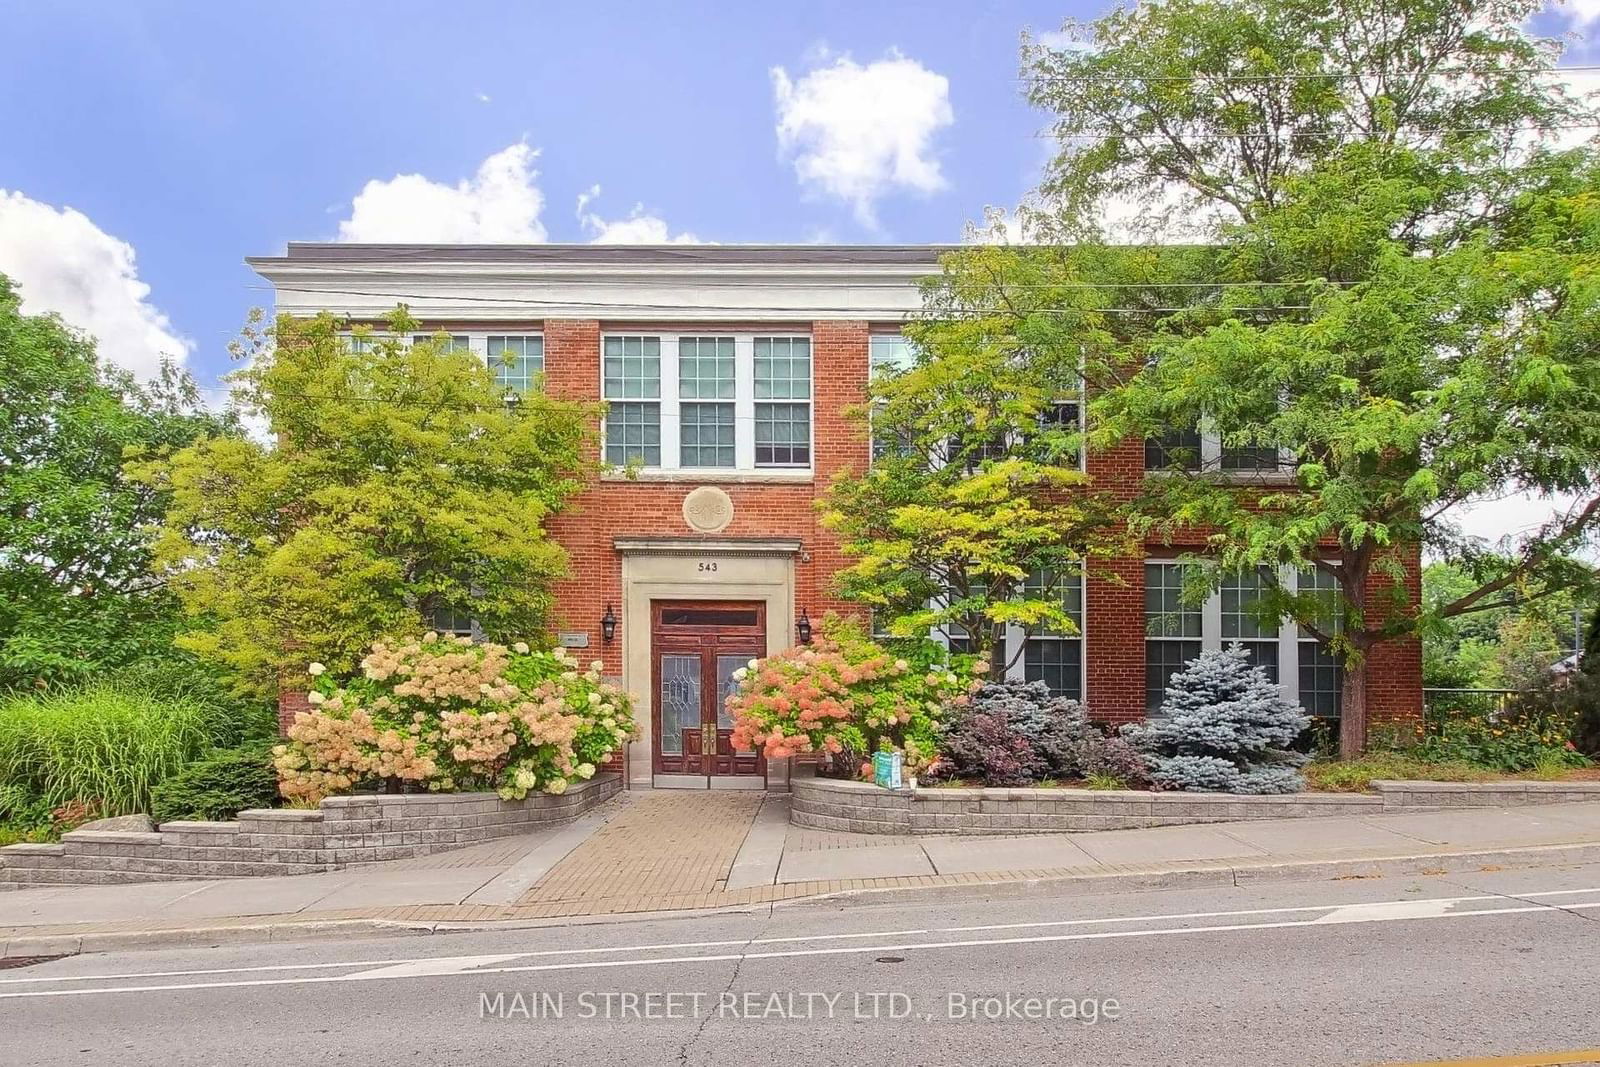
(630, 368)
(515, 359)
(455, 342)
(1191, 450)
(734, 402)
(1177, 632)
(888, 353)
(1052, 656)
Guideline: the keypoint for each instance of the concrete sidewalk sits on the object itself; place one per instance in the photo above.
(665, 851)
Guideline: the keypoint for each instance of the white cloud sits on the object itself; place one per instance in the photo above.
(484, 98)
(63, 262)
(638, 228)
(499, 204)
(857, 133)
(1580, 12)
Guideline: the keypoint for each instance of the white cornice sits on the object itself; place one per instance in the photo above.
(702, 291)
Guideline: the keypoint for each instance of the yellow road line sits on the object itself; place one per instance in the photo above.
(1532, 1059)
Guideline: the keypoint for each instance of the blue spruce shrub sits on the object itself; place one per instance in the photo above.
(1224, 727)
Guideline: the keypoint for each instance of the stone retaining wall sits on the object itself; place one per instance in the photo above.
(833, 804)
(343, 832)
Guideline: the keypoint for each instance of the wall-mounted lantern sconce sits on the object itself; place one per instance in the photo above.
(608, 625)
(802, 627)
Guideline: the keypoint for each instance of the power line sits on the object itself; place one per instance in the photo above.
(735, 309)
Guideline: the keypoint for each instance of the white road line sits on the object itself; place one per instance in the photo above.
(797, 939)
(911, 946)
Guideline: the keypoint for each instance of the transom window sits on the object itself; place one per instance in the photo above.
(1176, 632)
(715, 401)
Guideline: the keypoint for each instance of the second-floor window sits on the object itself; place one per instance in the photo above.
(713, 401)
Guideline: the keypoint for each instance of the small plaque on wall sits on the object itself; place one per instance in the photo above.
(575, 640)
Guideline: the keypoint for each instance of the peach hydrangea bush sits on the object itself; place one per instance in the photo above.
(846, 697)
(450, 714)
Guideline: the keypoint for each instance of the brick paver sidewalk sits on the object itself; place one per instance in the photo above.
(666, 844)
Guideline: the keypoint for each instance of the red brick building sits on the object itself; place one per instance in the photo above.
(728, 372)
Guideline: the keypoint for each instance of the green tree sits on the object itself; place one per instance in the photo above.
(972, 516)
(76, 593)
(400, 482)
(1511, 647)
(1390, 285)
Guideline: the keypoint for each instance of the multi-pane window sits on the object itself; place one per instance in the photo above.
(1250, 458)
(706, 389)
(889, 352)
(1173, 629)
(1066, 417)
(1175, 449)
(1053, 655)
(516, 361)
(455, 342)
(705, 435)
(1241, 624)
(783, 401)
(449, 620)
(1177, 632)
(631, 368)
(1321, 674)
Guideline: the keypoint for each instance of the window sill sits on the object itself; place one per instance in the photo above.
(1277, 479)
(710, 476)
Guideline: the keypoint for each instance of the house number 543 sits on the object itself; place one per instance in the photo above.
(707, 567)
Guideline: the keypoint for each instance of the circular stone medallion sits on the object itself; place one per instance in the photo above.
(708, 509)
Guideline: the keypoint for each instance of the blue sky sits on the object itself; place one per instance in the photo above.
(150, 146)
(200, 133)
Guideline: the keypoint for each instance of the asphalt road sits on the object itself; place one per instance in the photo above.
(1368, 971)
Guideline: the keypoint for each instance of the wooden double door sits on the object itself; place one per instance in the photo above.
(695, 648)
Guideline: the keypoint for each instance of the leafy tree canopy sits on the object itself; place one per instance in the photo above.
(973, 515)
(1359, 255)
(76, 592)
(399, 482)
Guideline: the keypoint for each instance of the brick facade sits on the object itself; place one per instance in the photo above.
(812, 301)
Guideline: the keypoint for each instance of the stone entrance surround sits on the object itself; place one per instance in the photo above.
(343, 832)
(860, 807)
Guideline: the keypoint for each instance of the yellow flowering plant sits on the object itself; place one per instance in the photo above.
(448, 714)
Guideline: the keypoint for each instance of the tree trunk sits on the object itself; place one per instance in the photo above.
(997, 653)
(1353, 710)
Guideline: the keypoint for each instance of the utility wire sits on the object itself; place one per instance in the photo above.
(731, 308)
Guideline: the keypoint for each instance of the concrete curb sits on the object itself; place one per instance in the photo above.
(1196, 875)
(1215, 873)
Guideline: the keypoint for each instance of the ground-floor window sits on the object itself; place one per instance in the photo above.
(1054, 657)
(1176, 632)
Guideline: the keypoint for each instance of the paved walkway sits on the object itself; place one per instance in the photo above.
(668, 850)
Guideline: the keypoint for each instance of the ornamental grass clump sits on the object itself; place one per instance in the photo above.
(1224, 727)
(846, 697)
(447, 713)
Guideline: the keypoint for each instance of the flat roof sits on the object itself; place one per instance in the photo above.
(309, 252)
